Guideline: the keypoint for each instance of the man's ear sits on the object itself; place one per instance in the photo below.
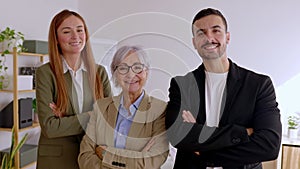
(194, 43)
(227, 37)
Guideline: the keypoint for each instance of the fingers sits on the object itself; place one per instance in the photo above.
(249, 131)
(188, 117)
(52, 106)
(56, 112)
(100, 151)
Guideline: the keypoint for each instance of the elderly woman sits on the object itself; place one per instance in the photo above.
(128, 130)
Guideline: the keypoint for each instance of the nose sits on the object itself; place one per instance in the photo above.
(209, 36)
(131, 72)
(74, 34)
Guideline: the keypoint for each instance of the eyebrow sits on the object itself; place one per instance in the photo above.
(79, 26)
(213, 27)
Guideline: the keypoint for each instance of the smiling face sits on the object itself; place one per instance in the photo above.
(210, 37)
(132, 83)
(71, 36)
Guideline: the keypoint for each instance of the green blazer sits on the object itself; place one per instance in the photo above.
(60, 137)
(148, 124)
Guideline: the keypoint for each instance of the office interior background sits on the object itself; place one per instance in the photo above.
(264, 38)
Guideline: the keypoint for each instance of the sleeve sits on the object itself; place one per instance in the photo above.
(264, 143)
(153, 158)
(52, 126)
(87, 157)
(197, 136)
(105, 81)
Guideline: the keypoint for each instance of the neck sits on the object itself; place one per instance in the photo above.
(73, 61)
(219, 65)
(130, 98)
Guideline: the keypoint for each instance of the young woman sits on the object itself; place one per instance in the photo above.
(66, 87)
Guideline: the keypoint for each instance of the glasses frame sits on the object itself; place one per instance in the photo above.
(130, 67)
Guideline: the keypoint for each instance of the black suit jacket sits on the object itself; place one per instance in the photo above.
(249, 101)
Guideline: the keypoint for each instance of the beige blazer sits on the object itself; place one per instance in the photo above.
(148, 123)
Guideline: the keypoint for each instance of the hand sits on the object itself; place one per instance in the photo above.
(149, 144)
(55, 111)
(100, 151)
(188, 117)
(249, 131)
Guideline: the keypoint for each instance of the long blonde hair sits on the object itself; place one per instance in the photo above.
(56, 64)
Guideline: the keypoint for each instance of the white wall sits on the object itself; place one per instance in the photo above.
(264, 37)
(32, 17)
(262, 32)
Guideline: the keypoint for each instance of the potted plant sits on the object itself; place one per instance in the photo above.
(9, 38)
(293, 124)
(8, 159)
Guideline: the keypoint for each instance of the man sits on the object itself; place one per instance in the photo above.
(220, 115)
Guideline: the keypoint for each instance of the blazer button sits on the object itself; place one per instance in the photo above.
(236, 140)
(209, 164)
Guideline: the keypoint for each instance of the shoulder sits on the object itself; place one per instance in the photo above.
(44, 71)
(44, 67)
(157, 107)
(187, 81)
(157, 102)
(100, 68)
(250, 74)
(191, 76)
(104, 102)
(249, 77)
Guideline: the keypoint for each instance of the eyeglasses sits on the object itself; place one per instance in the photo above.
(136, 68)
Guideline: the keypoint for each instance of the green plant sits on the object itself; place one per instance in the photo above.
(293, 122)
(8, 159)
(3, 73)
(11, 36)
(34, 104)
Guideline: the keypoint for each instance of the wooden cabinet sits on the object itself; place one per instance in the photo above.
(290, 156)
(15, 93)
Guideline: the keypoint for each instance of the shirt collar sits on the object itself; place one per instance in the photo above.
(66, 67)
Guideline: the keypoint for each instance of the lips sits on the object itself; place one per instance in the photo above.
(211, 46)
(131, 82)
(75, 43)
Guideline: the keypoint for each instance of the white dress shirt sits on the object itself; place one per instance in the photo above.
(77, 79)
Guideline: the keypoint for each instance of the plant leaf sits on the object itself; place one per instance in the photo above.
(4, 162)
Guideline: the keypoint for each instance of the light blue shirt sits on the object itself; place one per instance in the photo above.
(124, 121)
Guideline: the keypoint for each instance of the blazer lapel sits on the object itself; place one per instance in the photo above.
(109, 112)
(113, 111)
(88, 99)
(141, 117)
(72, 94)
(232, 87)
(199, 75)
